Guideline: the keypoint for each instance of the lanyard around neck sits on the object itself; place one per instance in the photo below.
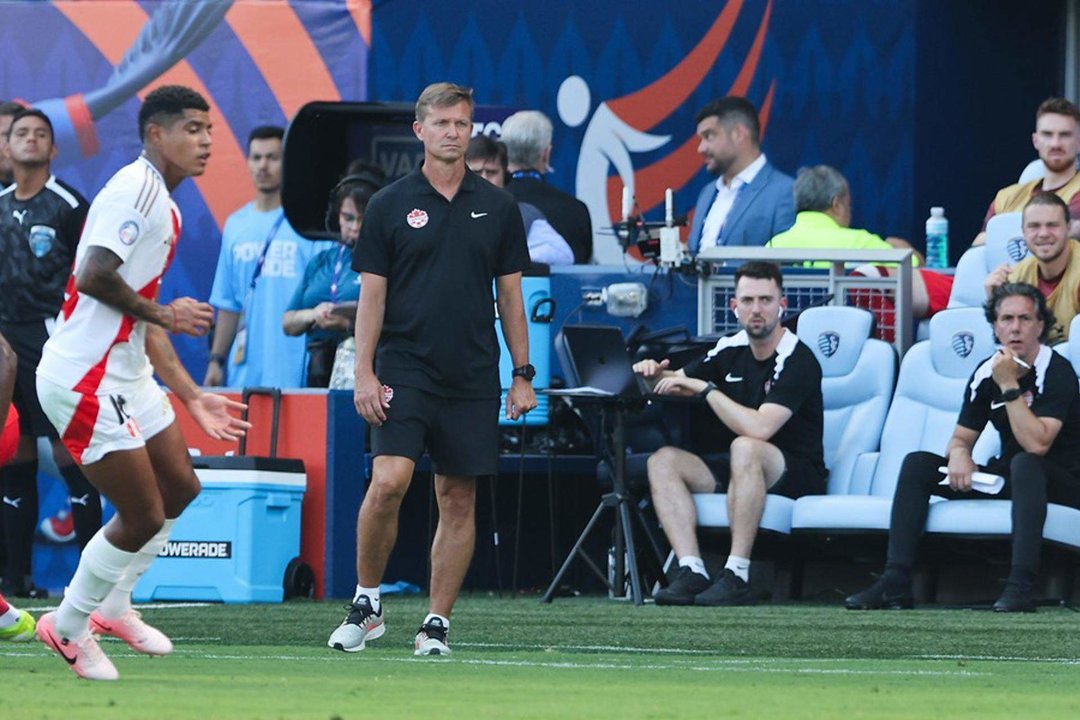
(266, 246)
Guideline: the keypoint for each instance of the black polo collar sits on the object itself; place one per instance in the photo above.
(420, 184)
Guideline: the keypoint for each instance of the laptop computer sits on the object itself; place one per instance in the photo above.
(596, 356)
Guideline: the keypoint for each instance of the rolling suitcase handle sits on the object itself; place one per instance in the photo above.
(275, 394)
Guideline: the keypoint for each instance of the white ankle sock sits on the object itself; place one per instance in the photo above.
(739, 565)
(372, 595)
(118, 601)
(101, 567)
(696, 564)
(432, 616)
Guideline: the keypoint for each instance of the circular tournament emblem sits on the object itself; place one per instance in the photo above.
(417, 218)
(129, 232)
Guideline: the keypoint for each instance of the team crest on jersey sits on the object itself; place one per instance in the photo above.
(417, 218)
(129, 232)
(41, 239)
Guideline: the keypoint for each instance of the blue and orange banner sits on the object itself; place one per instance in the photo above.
(88, 63)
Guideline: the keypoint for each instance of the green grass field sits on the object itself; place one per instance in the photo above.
(577, 658)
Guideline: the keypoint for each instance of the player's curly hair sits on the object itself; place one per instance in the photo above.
(167, 104)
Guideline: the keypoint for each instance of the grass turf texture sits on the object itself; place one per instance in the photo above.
(577, 658)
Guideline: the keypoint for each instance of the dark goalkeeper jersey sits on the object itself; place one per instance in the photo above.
(38, 238)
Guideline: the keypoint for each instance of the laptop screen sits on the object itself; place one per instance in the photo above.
(598, 357)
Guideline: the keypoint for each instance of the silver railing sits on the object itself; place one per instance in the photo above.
(889, 298)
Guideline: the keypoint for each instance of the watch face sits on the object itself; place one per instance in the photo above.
(526, 371)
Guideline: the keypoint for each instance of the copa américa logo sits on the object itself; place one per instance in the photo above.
(619, 128)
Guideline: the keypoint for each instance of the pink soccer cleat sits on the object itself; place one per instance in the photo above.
(84, 657)
(131, 629)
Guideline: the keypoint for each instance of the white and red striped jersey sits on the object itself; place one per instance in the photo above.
(95, 347)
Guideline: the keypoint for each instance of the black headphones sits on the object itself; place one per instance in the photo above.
(365, 177)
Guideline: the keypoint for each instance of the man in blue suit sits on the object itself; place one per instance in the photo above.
(750, 201)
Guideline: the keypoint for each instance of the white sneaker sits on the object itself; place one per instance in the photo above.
(360, 625)
(83, 657)
(131, 629)
(431, 638)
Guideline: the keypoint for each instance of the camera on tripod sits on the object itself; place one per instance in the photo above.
(655, 240)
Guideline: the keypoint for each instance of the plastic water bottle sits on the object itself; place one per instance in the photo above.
(937, 239)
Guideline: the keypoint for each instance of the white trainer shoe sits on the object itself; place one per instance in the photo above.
(84, 657)
(360, 625)
(431, 638)
(131, 628)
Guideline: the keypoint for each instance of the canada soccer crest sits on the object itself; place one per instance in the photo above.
(417, 218)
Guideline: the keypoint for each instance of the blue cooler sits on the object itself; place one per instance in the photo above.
(233, 543)
(539, 311)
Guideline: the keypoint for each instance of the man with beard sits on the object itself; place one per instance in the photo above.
(1057, 140)
(1052, 264)
(764, 386)
(750, 201)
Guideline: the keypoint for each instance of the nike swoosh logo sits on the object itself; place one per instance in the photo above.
(996, 405)
(56, 646)
(475, 215)
(731, 378)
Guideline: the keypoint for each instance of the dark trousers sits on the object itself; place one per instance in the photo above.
(1031, 482)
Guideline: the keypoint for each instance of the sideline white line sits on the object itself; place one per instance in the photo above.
(590, 648)
(1000, 658)
(137, 606)
(719, 667)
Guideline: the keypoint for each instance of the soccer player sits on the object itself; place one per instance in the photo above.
(15, 625)
(95, 383)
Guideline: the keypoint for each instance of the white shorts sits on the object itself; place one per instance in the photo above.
(91, 426)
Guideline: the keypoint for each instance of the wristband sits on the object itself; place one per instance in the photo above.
(219, 359)
(709, 387)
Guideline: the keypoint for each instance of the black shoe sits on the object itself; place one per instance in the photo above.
(729, 589)
(1016, 597)
(683, 589)
(882, 595)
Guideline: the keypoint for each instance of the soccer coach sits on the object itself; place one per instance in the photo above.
(427, 359)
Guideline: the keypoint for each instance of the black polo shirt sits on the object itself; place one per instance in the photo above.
(440, 259)
(791, 377)
(38, 239)
(1049, 389)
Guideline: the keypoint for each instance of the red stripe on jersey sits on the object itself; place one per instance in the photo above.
(71, 298)
(176, 238)
(80, 430)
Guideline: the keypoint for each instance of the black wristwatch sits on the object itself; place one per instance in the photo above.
(526, 371)
(1010, 395)
(709, 387)
(219, 359)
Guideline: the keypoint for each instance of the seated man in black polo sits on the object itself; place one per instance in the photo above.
(764, 387)
(1029, 393)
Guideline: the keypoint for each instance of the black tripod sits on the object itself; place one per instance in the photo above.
(625, 508)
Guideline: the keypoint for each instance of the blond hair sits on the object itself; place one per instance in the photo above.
(443, 94)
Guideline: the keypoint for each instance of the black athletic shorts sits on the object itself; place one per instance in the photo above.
(800, 477)
(27, 339)
(461, 436)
